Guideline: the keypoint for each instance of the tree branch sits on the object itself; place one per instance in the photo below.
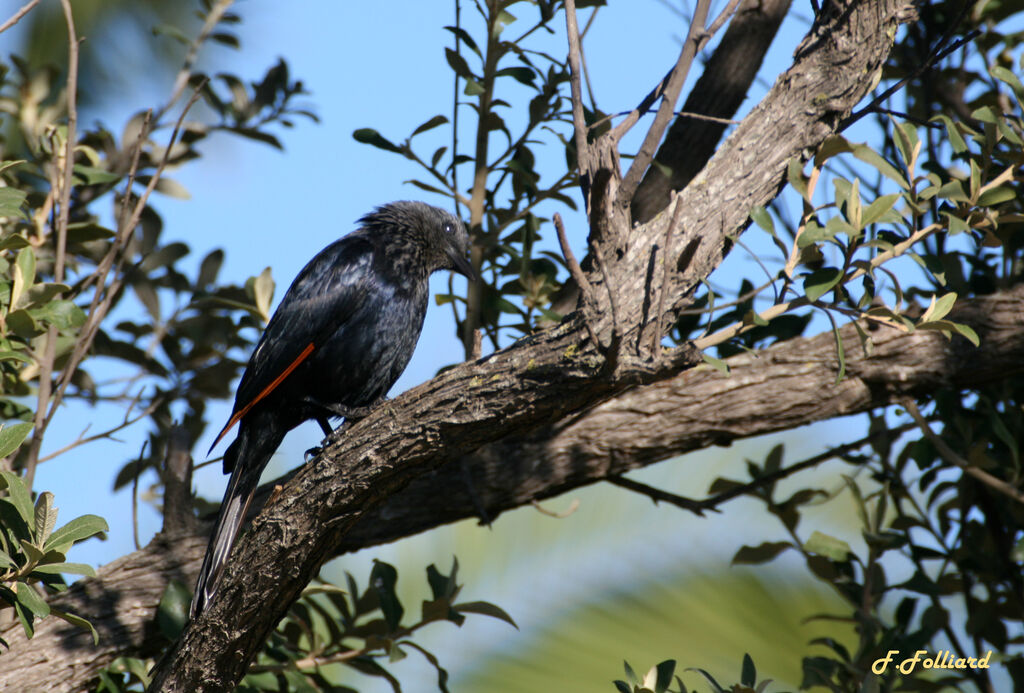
(789, 385)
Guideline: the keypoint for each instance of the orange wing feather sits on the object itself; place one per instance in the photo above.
(266, 391)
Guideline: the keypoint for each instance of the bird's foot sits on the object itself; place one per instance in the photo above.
(311, 453)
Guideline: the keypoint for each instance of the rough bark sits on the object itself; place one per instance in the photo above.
(789, 385)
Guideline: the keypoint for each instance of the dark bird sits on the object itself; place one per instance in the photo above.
(340, 338)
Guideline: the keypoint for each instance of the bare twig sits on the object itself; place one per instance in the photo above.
(104, 299)
(570, 260)
(575, 81)
(62, 183)
(579, 277)
(213, 18)
(135, 496)
(663, 289)
(695, 40)
(937, 55)
(950, 455)
(699, 507)
(25, 9)
(612, 350)
(81, 440)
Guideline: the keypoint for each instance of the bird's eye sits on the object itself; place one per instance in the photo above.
(448, 228)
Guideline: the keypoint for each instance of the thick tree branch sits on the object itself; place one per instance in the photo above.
(789, 385)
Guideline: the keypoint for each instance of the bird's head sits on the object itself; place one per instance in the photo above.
(437, 236)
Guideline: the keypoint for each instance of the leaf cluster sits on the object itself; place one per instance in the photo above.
(328, 633)
(33, 549)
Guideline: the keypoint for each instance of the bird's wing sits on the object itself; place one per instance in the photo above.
(323, 296)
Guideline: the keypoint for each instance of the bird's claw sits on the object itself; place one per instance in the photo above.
(312, 453)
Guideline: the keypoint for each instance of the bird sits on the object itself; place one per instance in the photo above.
(340, 338)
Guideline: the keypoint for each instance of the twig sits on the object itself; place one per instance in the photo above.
(135, 496)
(185, 73)
(25, 9)
(662, 290)
(100, 306)
(576, 273)
(678, 114)
(699, 507)
(950, 455)
(570, 260)
(696, 38)
(575, 77)
(935, 57)
(62, 182)
(612, 350)
(105, 434)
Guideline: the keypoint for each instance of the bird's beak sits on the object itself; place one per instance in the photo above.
(461, 265)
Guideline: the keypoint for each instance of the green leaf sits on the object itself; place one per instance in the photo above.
(80, 622)
(938, 308)
(383, 578)
(473, 88)
(31, 600)
(375, 139)
(1004, 75)
(41, 294)
(967, 332)
(878, 208)
(172, 613)
(172, 188)
(762, 218)
(820, 282)
(12, 202)
(458, 64)
(663, 677)
(19, 494)
(14, 241)
(62, 568)
(717, 364)
(23, 273)
(748, 675)
(430, 124)
(827, 546)
(45, 516)
(91, 175)
(61, 314)
(78, 529)
(994, 196)
(263, 293)
(486, 609)
(762, 553)
(11, 438)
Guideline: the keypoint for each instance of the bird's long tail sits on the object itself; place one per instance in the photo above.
(246, 458)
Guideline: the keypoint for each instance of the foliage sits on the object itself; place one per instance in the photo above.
(658, 679)
(327, 628)
(33, 549)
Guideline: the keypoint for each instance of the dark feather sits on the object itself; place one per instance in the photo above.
(360, 303)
